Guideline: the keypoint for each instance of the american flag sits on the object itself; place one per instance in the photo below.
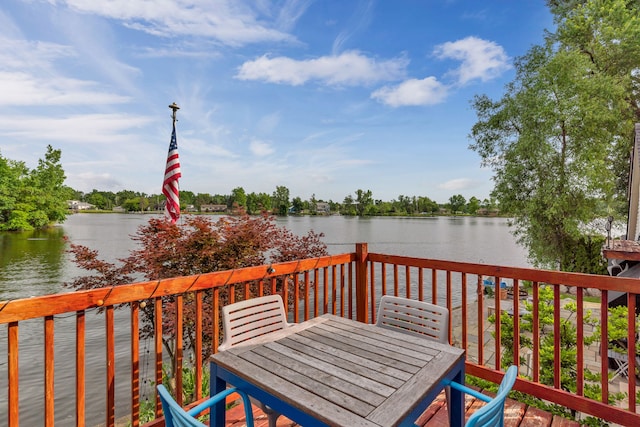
(170, 187)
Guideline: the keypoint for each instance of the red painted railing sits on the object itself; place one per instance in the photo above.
(348, 285)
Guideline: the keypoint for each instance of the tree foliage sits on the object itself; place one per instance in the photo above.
(559, 139)
(194, 246)
(31, 199)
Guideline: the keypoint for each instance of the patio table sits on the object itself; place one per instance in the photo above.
(331, 371)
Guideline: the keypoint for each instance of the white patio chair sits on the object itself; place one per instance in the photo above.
(245, 320)
(415, 317)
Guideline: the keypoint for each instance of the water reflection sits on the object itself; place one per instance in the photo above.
(32, 263)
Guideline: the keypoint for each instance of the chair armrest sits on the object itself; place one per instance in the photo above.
(217, 398)
(468, 390)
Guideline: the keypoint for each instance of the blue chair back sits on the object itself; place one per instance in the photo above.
(492, 414)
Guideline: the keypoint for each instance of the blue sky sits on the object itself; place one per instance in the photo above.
(323, 97)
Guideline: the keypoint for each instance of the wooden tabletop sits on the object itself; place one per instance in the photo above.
(342, 372)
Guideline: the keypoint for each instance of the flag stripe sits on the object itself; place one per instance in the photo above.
(170, 186)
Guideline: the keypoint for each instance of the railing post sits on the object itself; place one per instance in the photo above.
(362, 298)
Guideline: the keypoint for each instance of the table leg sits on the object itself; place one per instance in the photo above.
(456, 401)
(217, 385)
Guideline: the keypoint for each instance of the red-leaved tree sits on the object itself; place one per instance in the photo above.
(196, 245)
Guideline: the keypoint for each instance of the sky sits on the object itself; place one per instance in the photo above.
(323, 97)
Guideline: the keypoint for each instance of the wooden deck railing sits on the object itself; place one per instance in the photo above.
(88, 388)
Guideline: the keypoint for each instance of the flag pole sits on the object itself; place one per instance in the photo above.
(170, 186)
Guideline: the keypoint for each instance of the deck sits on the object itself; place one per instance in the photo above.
(516, 414)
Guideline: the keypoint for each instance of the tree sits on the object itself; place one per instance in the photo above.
(280, 200)
(297, 205)
(559, 139)
(473, 205)
(238, 197)
(364, 200)
(348, 206)
(196, 245)
(313, 204)
(35, 198)
(457, 203)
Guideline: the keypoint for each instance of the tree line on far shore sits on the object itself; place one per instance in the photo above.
(32, 199)
(362, 203)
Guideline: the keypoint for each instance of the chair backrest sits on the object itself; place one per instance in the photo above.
(174, 415)
(492, 414)
(414, 317)
(245, 320)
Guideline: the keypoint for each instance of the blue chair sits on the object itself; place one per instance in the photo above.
(175, 416)
(491, 414)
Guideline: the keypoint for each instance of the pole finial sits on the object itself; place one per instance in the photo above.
(175, 108)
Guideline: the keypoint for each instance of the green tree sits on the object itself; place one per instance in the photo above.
(36, 198)
(457, 203)
(473, 205)
(280, 200)
(313, 204)
(364, 200)
(297, 205)
(238, 197)
(348, 206)
(558, 141)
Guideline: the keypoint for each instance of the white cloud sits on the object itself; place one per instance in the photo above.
(87, 181)
(86, 128)
(349, 68)
(481, 59)
(458, 184)
(230, 22)
(24, 89)
(260, 148)
(28, 77)
(428, 91)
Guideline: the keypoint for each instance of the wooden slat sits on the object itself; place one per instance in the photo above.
(434, 286)
(604, 345)
(13, 398)
(372, 292)
(580, 341)
(557, 347)
(158, 350)
(179, 314)
(135, 364)
(536, 331)
(516, 322)
(464, 312)
(199, 295)
(631, 337)
(449, 305)
(498, 324)
(111, 367)
(396, 286)
(307, 284)
(316, 292)
(49, 394)
(80, 368)
(479, 292)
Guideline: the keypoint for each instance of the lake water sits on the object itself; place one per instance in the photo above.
(36, 263)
